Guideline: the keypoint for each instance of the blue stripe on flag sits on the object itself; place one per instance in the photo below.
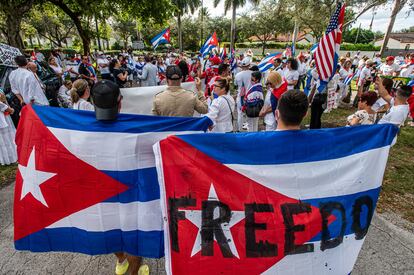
(310, 145)
(143, 185)
(347, 201)
(126, 123)
(143, 243)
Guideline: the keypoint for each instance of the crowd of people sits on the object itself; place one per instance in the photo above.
(281, 95)
(257, 94)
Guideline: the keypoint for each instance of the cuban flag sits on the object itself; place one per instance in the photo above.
(209, 45)
(313, 48)
(327, 52)
(89, 186)
(162, 38)
(301, 208)
(267, 62)
(223, 53)
(233, 61)
(348, 79)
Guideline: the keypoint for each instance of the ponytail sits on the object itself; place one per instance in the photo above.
(78, 90)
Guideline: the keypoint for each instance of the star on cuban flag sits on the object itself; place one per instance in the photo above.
(162, 38)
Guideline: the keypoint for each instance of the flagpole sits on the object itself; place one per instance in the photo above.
(294, 37)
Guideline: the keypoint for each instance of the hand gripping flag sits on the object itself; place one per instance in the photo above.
(211, 43)
(327, 52)
(348, 79)
(267, 62)
(300, 208)
(161, 38)
(89, 186)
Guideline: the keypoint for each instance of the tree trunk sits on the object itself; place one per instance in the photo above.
(398, 4)
(180, 35)
(97, 34)
(13, 23)
(263, 47)
(233, 29)
(31, 41)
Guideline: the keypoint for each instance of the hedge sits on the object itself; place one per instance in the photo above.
(276, 45)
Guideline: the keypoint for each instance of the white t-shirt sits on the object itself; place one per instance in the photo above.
(365, 73)
(378, 104)
(290, 76)
(103, 61)
(406, 72)
(82, 104)
(390, 69)
(269, 118)
(396, 114)
(243, 80)
(220, 112)
(302, 68)
(25, 83)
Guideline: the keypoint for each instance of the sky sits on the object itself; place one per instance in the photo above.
(381, 18)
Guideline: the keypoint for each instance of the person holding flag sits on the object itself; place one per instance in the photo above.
(326, 60)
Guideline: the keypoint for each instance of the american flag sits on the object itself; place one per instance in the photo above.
(327, 53)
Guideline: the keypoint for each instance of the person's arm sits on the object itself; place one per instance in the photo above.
(155, 107)
(265, 110)
(382, 91)
(200, 100)
(20, 99)
(123, 76)
(354, 121)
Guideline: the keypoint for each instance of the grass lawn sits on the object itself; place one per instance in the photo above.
(7, 174)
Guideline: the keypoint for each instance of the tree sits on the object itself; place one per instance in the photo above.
(124, 26)
(398, 5)
(13, 12)
(50, 23)
(182, 7)
(234, 4)
(357, 35)
(82, 11)
(270, 20)
(410, 29)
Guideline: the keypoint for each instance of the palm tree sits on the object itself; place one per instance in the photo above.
(183, 6)
(234, 4)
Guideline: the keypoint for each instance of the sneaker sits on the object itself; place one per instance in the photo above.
(245, 126)
(143, 270)
(121, 268)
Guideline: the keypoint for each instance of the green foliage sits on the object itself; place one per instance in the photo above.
(116, 46)
(125, 27)
(356, 35)
(359, 47)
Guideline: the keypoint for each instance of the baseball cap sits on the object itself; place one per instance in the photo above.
(390, 58)
(173, 72)
(106, 96)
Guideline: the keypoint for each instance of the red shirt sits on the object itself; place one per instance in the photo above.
(411, 104)
(278, 92)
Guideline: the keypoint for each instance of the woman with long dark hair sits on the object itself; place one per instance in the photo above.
(120, 75)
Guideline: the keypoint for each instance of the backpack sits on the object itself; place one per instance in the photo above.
(253, 108)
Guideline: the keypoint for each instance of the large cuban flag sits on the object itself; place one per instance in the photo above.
(162, 38)
(290, 202)
(90, 186)
(268, 62)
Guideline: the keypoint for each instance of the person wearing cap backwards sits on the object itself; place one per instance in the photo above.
(176, 101)
(390, 68)
(107, 103)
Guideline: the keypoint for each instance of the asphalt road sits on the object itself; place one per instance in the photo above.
(388, 249)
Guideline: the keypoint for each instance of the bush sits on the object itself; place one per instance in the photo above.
(359, 47)
(116, 46)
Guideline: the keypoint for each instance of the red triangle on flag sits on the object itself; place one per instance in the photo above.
(73, 184)
(189, 175)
